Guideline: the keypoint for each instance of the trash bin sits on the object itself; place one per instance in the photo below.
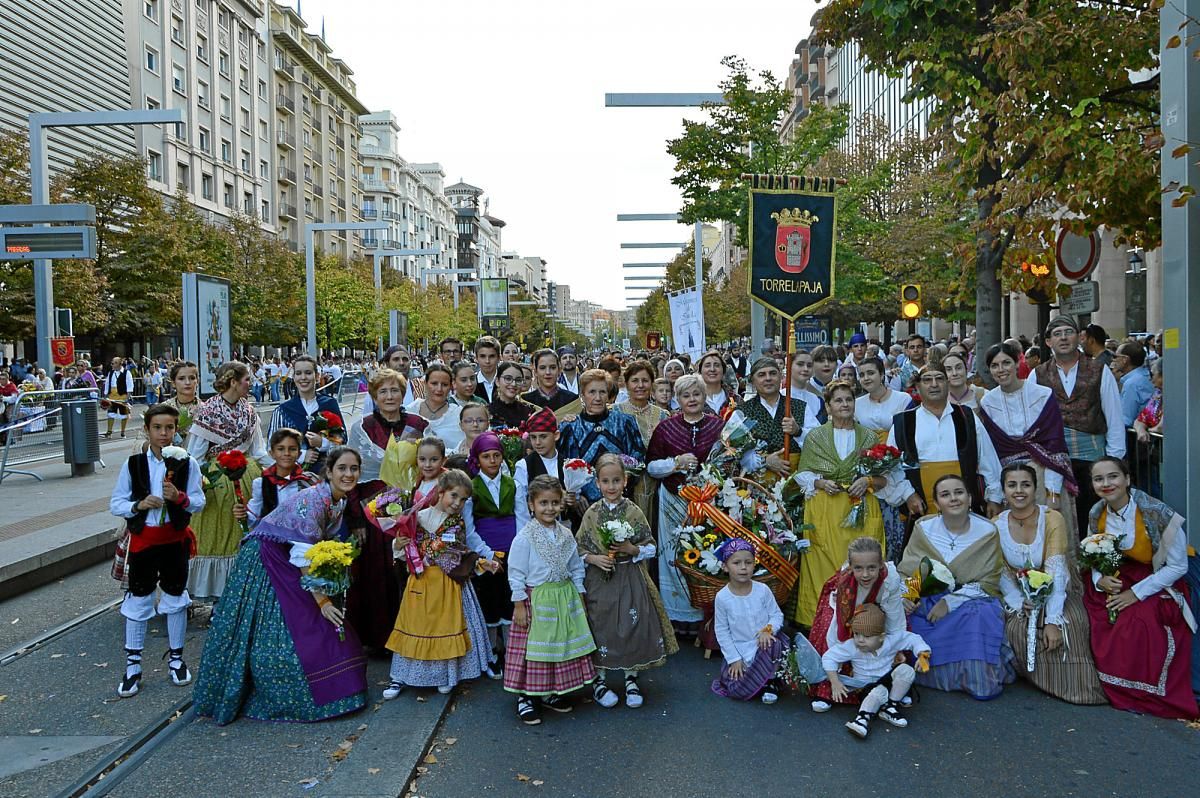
(81, 436)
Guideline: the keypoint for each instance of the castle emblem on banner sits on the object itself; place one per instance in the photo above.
(793, 238)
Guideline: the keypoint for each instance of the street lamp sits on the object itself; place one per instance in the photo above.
(310, 270)
(39, 194)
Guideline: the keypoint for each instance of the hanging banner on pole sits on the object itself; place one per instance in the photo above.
(207, 337)
(687, 322)
(62, 351)
(793, 227)
(493, 298)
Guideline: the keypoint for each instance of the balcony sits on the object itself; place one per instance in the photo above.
(285, 175)
(369, 213)
(341, 142)
(285, 69)
(341, 201)
(318, 191)
(317, 159)
(287, 211)
(285, 103)
(341, 172)
(285, 140)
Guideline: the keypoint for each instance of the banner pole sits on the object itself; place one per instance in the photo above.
(787, 391)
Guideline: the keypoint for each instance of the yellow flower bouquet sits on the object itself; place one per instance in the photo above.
(329, 571)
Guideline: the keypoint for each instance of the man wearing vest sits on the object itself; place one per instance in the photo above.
(156, 493)
(937, 438)
(1090, 401)
(118, 387)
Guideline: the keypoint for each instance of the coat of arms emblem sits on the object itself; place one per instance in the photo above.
(793, 238)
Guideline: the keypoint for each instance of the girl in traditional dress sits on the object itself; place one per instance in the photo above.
(626, 614)
(802, 388)
(474, 420)
(436, 409)
(431, 464)
(767, 409)
(492, 512)
(719, 399)
(597, 429)
(304, 409)
(747, 621)
(464, 377)
(679, 445)
(831, 487)
(1032, 536)
(960, 391)
(286, 476)
(184, 376)
(274, 651)
(226, 421)
(865, 579)
(875, 410)
(964, 626)
(1145, 658)
(440, 637)
(549, 646)
(507, 407)
(1025, 425)
(639, 383)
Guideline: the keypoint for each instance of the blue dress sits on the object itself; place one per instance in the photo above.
(587, 437)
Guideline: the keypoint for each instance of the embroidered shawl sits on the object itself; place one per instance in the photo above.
(820, 454)
(979, 563)
(846, 599)
(1044, 442)
(307, 516)
(599, 514)
(676, 436)
(224, 426)
(555, 546)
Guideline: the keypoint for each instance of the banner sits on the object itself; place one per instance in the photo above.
(207, 334)
(793, 225)
(397, 328)
(62, 350)
(653, 340)
(687, 322)
(493, 298)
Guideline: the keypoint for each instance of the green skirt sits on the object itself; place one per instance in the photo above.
(558, 628)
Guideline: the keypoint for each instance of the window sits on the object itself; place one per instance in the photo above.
(248, 202)
(227, 195)
(202, 47)
(226, 108)
(246, 120)
(223, 18)
(152, 104)
(245, 163)
(262, 129)
(202, 94)
(176, 30)
(244, 79)
(152, 60)
(154, 166)
(262, 90)
(206, 186)
(178, 79)
(223, 62)
(264, 169)
(265, 211)
(226, 151)
(181, 176)
(150, 9)
(205, 140)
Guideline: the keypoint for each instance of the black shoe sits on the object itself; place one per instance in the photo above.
(891, 714)
(131, 683)
(556, 703)
(527, 711)
(180, 675)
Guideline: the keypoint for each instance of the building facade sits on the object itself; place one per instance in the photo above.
(527, 273)
(479, 233)
(315, 134)
(58, 56)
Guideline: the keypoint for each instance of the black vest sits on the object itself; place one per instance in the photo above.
(905, 425)
(139, 479)
(270, 497)
(535, 466)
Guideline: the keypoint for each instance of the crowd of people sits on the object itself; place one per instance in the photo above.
(479, 555)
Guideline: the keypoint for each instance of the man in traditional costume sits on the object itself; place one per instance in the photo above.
(118, 388)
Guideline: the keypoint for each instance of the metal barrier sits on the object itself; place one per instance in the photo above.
(1145, 462)
(31, 428)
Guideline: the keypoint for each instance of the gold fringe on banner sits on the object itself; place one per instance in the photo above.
(793, 183)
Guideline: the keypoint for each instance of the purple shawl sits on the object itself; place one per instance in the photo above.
(674, 437)
(1044, 443)
(307, 516)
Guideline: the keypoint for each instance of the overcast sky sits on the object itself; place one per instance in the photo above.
(509, 96)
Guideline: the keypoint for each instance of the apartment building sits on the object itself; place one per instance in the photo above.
(527, 273)
(479, 233)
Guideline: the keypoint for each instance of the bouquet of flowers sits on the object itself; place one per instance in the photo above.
(697, 546)
(1036, 586)
(329, 571)
(174, 456)
(877, 461)
(577, 474)
(512, 445)
(799, 666)
(759, 511)
(329, 425)
(612, 533)
(735, 441)
(930, 578)
(387, 510)
(1100, 553)
(633, 466)
(232, 463)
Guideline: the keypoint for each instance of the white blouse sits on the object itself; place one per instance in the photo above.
(739, 619)
(1020, 555)
(445, 426)
(878, 415)
(950, 545)
(1122, 525)
(1015, 413)
(526, 568)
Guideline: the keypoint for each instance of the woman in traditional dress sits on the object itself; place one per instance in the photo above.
(274, 651)
(720, 400)
(875, 410)
(1035, 537)
(831, 488)
(436, 408)
(226, 421)
(679, 445)
(184, 376)
(1025, 425)
(301, 412)
(598, 429)
(507, 407)
(963, 626)
(961, 391)
(374, 598)
(464, 384)
(1144, 658)
(639, 382)
(767, 409)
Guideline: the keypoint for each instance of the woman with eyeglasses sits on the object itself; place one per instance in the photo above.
(507, 407)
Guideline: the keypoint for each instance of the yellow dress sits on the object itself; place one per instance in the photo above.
(431, 624)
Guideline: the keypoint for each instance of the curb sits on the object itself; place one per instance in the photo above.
(47, 566)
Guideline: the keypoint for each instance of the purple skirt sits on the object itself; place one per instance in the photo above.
(754, 676)
(969, 650)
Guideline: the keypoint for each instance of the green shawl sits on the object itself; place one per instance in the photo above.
(820, 455)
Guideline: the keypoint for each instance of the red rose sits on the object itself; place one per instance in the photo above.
(232, 460)
(332, 419)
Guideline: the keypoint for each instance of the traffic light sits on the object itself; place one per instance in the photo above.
(910, 302)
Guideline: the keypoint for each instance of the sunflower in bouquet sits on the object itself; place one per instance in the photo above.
(697, 547)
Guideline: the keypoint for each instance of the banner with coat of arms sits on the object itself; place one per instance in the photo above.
(793, 227)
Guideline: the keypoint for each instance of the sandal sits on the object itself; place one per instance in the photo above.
(633, 693)
(131, 683)
(604, 696)
(890, 712)
(860, 725)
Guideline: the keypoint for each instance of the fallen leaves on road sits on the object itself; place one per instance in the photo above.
(14, 621)
(451, 740)
(522, 777)
(309, 783)
(2, 697)
(373, 771)
(362, 728)
(537, 782)
(55, 656)
(35, 731)
(430, 759)
(420, 699)
(100, 664)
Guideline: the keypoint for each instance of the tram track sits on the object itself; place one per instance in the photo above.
(37, 642)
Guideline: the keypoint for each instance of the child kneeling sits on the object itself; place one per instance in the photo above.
(746, 618)
(871, 653)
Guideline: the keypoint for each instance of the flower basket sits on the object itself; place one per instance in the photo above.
(703, 587)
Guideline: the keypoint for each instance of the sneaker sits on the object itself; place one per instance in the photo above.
(891, 713)
(821, 706)
(393, 689)
(527, 711)
(604, 696)
(556, 703)
(633, 694)
(180, 675)
(446, 689)
(860, 725)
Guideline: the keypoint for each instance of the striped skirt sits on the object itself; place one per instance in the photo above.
(541, 678)
(1068, 672)
(755, 676)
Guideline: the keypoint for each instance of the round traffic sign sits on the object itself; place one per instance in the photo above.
(1077, 255)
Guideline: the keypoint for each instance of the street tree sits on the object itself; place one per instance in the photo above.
(266, 292)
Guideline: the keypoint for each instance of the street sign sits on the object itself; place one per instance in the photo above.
(1084, 298)
(47, 243)
(793, 227)
(813, 331)
(1077, 255)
